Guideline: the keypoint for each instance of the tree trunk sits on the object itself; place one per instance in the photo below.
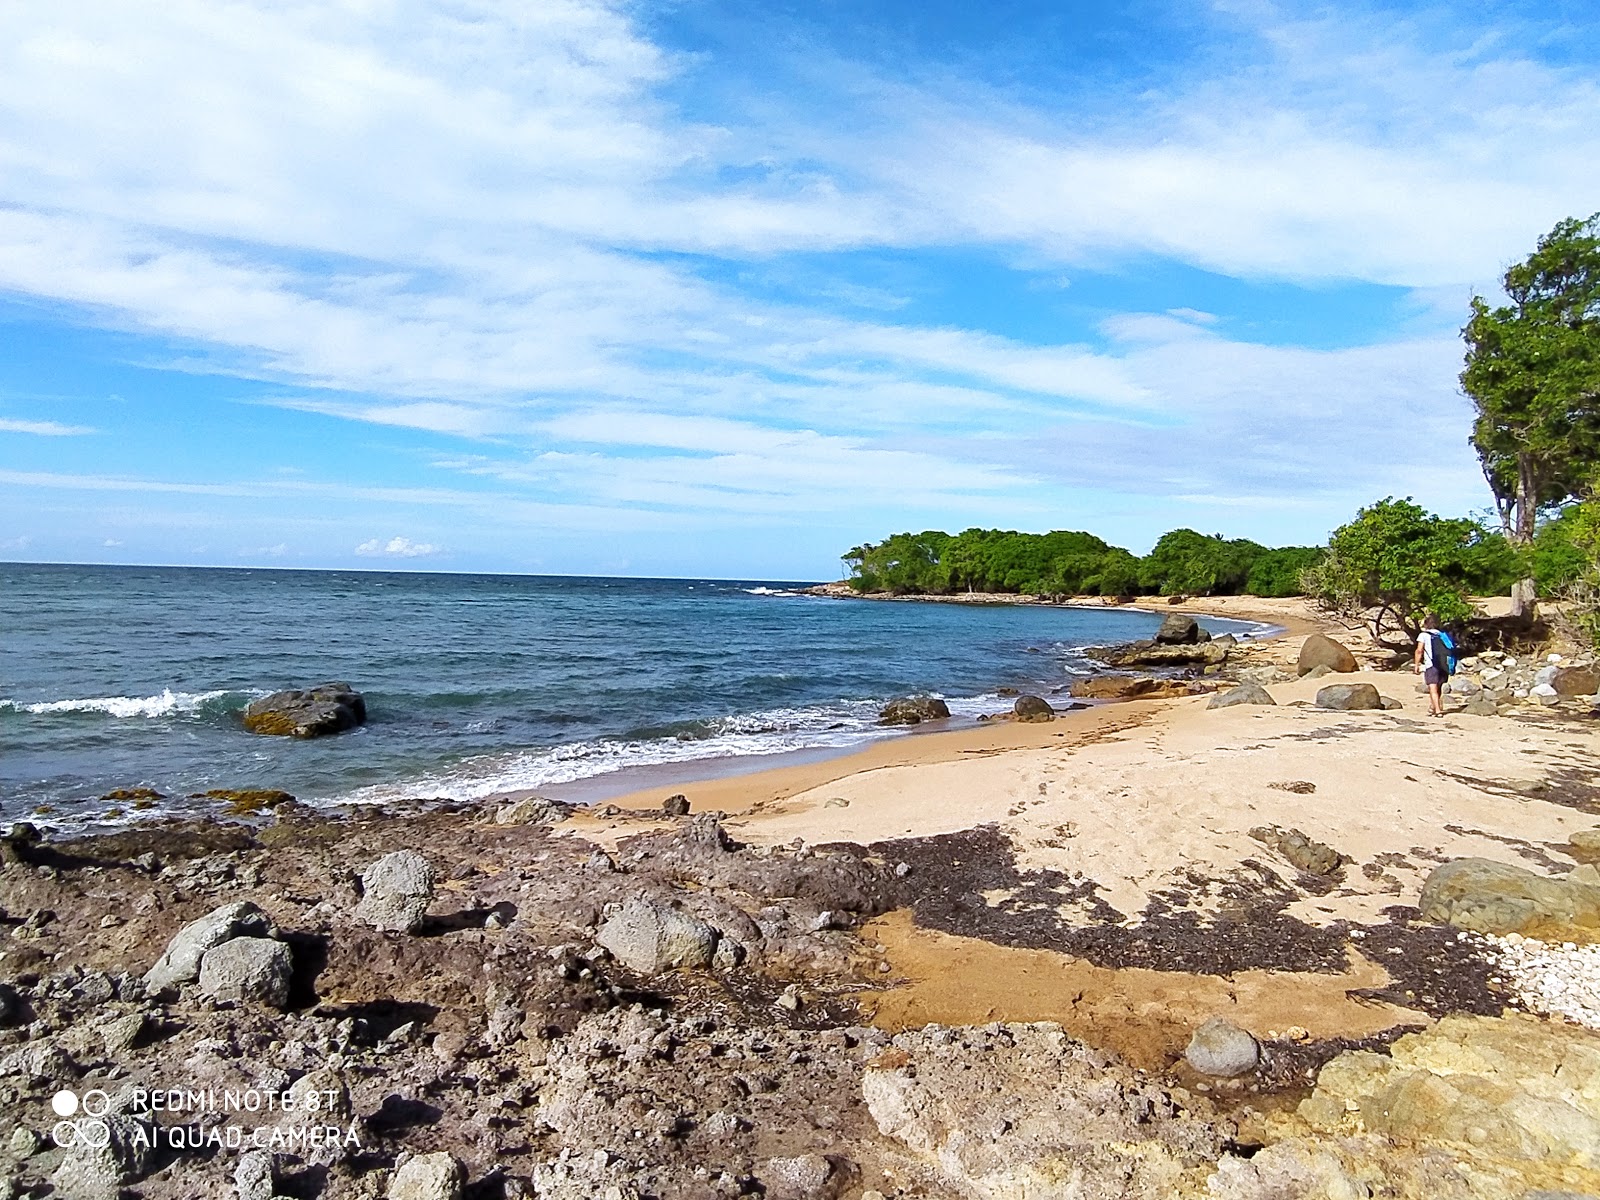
(1523, 604)
(1527, 499)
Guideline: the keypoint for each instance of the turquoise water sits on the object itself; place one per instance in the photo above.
(132, 676)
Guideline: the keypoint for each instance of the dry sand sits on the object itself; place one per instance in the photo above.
(1151, 803)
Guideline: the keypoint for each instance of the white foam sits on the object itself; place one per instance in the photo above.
(167, 703)
(766, 591)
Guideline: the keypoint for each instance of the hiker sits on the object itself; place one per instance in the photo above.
(1432, 662)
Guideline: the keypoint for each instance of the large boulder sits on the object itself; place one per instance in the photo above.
(180, 963)
(307, 712)
(1576, 680)
(1178, 630)
(395, 892)
(1346, 697)
(1248, 692)
(1153, 654)
(1033, 708)
(1319, 650)
(248, 968)
(1494, 897)
(913, 710)
(650, 938)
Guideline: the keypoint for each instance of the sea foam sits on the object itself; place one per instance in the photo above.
(167, 703)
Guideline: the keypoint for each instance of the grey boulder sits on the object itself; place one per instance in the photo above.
(651, 938)
(396, 891)
(1248, 692)
(307, 712)
(913, 710)
(248, 968)
(1319, 650)
(1178, 630)
(1033, 708)
(1221, 1048)
(180, 963)
(808, 1177)
(1347, 697)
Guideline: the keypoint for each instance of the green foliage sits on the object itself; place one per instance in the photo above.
(1566, 564)
(1533, 372)
(1404, 563)
(1279, 572)
(1066, 563)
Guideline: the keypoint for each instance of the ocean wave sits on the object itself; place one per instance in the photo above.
(167, 703)
(766, 591)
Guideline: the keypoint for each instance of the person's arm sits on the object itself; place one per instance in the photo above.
(1416, 659)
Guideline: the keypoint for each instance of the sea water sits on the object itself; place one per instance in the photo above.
(475, 684)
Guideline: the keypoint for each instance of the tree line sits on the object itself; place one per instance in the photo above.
(1532, 371)
(1067, 563)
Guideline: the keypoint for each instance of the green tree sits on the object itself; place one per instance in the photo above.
(1533, 373)
(1279, 572)
(1395, 563)
(1186, 561)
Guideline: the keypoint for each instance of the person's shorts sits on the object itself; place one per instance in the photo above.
(1433, 675)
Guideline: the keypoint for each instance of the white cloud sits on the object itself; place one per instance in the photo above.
(111, 543)
(44, 428)
(396, 547)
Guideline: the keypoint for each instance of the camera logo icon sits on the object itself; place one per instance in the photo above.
(82, 1119)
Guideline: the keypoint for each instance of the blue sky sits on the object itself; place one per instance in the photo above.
(718, 288)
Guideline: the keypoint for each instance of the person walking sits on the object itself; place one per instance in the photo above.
(1432, 662)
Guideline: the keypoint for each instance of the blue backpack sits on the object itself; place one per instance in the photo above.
(1444, 652)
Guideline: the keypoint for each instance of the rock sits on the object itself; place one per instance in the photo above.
(1462, 686)
(1585, 844)
(533, 810)
(395, 892)
(1319, 650)
(24, 1144)
(1347, 697)
(705, 831)
(1389, 704)
(1545, 694)
(120, 1033)
(427, 1177)
(913, 710)
(18, 843)
(1033, 708)
(10, 1006)
(1493, 897)
(1304, 853)
(807, 1177)
(1128, 687)
(1576, 681)
(1481, 705)
(307, 712)
(1318, 671)
(181, 961)
(1244, 693)
(253, 1177)
(1178, 630)
(92, 1172)
(248, 968)
(1150, 654)
(1221, 1048)
(244, 801)
(650, 938)
(676, 806)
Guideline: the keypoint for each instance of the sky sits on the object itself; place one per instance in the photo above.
(726, 287)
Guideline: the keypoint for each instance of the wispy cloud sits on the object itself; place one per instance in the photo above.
(44, 428)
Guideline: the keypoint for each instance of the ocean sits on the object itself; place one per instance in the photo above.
(115, 677)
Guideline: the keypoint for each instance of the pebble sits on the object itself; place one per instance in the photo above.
(1558, 980)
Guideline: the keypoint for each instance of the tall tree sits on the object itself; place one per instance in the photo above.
(1533, 372)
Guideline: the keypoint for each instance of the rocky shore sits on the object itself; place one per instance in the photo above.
(1167, 948)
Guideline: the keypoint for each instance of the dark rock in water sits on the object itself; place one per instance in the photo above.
(1221, 1048)
(1033, 708)
(307, 712)
(676, 806)
(1178, 630)
(1346, 697)
(1245, 693)
(1005, 691)
(1492, 897)
(1319, 650)
(913, 710)
(1312, 857)
(243, 801)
